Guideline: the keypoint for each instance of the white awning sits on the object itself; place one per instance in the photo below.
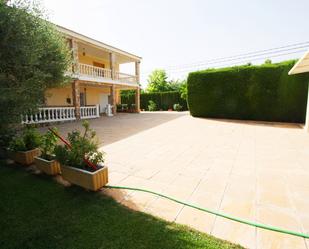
(302, 66)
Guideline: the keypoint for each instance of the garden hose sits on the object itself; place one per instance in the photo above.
(247, 222)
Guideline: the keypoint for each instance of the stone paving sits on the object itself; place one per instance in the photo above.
(255, 171)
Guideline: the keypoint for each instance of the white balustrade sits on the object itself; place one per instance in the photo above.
(87, 112)
(49, 114)
(99, 72)
(92, 71)
(126, 78)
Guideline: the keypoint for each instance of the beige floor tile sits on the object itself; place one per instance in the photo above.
(233, 231)
(196, 219)
(165, 209)
(282, 219)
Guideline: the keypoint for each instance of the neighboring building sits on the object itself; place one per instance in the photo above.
(96, 83)
(302, 66)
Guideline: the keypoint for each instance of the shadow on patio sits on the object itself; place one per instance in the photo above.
(121, 126)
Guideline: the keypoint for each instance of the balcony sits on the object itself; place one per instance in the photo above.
(98, 74)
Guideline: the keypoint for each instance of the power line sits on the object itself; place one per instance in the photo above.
(270, 53)
(243, 54)
(244, 61)
(244, 57)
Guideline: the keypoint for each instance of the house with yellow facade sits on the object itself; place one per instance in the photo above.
(96, 82)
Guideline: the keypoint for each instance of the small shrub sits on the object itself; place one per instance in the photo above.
(152, 106)
(28, 140)
(177, 107)
(48, 144)
(83, 145)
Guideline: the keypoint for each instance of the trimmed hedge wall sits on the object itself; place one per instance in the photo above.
(263, 92)
(164, 100)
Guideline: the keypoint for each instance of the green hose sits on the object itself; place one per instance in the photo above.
(250, 223)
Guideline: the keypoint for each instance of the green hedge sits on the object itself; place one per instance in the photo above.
(164, 100)
(263, 92)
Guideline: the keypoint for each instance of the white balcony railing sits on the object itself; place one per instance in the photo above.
(103, 73)
(57, 114)
(93, 71)
(50, 114)
(123, 77)
(89, 112)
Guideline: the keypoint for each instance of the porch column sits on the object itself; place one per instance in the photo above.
(137, 100)
(138, 90)
(76, 98)
(112, 64)
(75, 66)
(118, 97)
(113, 99)
(137, 71)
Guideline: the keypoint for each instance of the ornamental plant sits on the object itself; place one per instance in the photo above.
(83, 145)
(177, 107)
(29, 139)
(152, 106)
(48, 144)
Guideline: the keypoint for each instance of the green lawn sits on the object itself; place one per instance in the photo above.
(36, 212)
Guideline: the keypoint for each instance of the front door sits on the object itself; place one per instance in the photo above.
(103, 102)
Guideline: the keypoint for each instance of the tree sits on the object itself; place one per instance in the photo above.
(33, 57)
(268, 61)
(157, 82)
(183, 90)
(176, 85)
(179, 86)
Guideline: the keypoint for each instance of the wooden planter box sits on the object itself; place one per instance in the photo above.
(48, 167)
(86, 179)
(25, 157)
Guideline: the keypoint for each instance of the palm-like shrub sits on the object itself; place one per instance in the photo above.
(152, 106)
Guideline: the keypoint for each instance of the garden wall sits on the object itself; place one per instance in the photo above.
(163, 100)
(263, 92)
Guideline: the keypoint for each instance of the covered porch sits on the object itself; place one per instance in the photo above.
(80, 100)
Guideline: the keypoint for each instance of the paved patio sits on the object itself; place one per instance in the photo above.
(251, 170)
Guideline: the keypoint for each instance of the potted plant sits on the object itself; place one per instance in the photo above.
(46, 161)
(80, 161)
(24, 147)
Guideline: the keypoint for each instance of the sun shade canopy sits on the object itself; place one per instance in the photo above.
(302, 66)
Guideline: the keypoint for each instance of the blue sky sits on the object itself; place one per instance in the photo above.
(170, 33)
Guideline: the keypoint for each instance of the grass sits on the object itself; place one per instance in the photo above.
(36, 212)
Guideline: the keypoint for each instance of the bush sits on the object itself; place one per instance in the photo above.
(82, 146)
(28, 140)
(263, 92)
(177, 107)
(152, 106)
(163, 100)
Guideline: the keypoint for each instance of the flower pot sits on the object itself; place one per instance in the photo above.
(25, 157)
(86, 179)
(48, 167)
